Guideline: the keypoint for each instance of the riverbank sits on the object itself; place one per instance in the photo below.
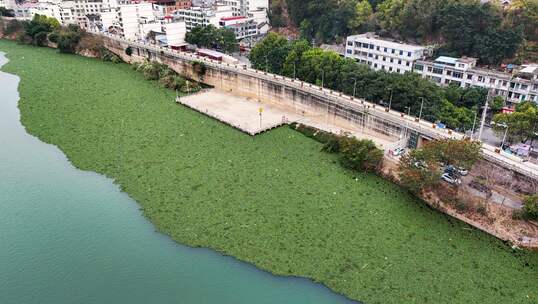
(273, 200)
(70, 236)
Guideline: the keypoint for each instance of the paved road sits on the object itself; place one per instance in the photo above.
(422, 126)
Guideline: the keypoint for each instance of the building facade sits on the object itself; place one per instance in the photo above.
(382, 54)
(519, 84)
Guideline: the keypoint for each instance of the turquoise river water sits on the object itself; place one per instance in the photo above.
(69, 236)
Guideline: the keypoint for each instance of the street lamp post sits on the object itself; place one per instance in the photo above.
(421, 106)
(504, 137)
(354, 87)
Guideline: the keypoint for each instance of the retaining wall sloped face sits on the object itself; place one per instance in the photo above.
(239, 84)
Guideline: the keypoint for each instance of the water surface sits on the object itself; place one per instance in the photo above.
(69, 236)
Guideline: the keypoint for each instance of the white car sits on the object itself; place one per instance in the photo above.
(462, 171)
(398, 151)
(450, 179)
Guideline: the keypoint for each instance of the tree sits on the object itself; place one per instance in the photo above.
(418, 171)
(270, 53)
(5, 12)
(497, 104)
(360, 155)
(475, 29)
(39, 28)
(363, 17)
(69, 38)
(212, 37)
(294, 58)
(421, 168)
(389, 15)
(530, 207)
(519, 126)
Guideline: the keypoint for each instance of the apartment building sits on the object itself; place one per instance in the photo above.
(519, 84)
(204, 16)
(383, 54)
(242, 27)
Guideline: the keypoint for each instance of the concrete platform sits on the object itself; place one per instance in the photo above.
(238, 112)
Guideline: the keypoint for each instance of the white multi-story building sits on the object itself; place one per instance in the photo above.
(383, 54)
(132, 17)
(204, 16)
(9, 4)
(516, 86)
(242, 27)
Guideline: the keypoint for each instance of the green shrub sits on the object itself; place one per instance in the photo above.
(40, 39)
(360, 155)
(54, 37)
(332, 145)
(107, 55)
(530, 207)
(12, 27)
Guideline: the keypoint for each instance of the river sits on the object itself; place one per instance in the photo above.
(70, 236)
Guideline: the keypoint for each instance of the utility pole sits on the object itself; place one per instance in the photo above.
(474, 123)
(390, 101)
(483, 121)
(354, 87)
(322, 77)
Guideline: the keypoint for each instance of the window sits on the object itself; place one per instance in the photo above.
(383, 67)
(371, 46)
(492, 80)
(393, 50)
(370, 55)
(407, 63)
(481, 78)
(524, 86)
(437, 71)
(457, 75)
(505, 83)
(398, 70)
(375, 65)
(390, 69)
(535, 87)
(399, 62)
(408, 54)
(401, 52)
(449, 73)
(384, 59)
(377, 48)
(447, 81)
(469, 76)
(365, 45)
(419, 67)
(391, 60)
(429, 69)
(350, 43)
(349, 51)
(385, 50)
(376, 57)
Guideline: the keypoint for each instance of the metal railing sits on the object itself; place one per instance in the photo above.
(421, 126)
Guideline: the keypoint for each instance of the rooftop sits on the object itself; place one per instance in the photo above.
(384, 42)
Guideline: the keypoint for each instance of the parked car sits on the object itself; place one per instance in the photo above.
(450, 179)
(398, 151)
(452, 170)
(462, 171)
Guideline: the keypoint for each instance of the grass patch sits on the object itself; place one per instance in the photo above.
(274, 200)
